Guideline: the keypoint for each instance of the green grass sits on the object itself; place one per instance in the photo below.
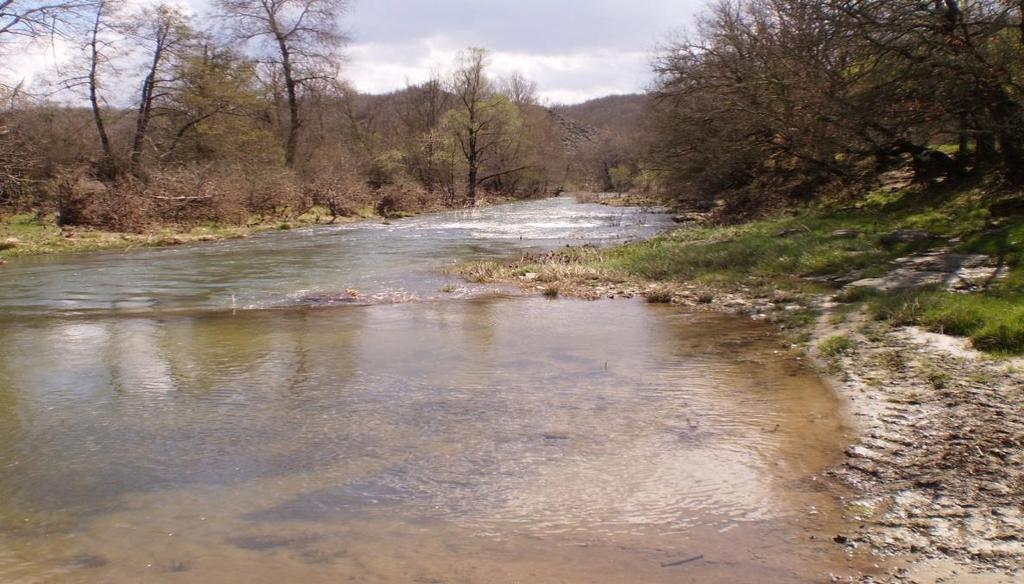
(789, 253)
(30, 234)
(935, 377)
(836, 346)
(798, 254)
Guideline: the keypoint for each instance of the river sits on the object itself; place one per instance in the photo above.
(227, 413)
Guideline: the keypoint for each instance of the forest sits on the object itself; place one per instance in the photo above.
(774, 102)
(243, 114)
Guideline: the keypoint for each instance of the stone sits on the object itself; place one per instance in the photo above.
(690, 218)
(846, 234)
(954, 272)
(907, 236)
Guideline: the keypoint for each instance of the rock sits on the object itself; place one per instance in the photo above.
(900, 279)
(690, 218)
(954, 272)
(907, 236)
(10, 243)
(846, 234)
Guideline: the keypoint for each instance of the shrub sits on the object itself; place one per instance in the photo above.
(659, 296)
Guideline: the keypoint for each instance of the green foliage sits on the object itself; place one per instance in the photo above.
(954, 314)
(214, 104)
(780, 253)
(621, 178)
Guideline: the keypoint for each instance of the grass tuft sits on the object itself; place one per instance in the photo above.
(659, 296)
(836, 346)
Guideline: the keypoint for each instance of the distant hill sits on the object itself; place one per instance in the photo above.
(614, 114)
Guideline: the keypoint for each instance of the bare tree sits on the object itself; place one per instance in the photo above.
(165, 30)
(299, 38)
(37, 18)
(98, 42)
(520, 90)
(16, 153)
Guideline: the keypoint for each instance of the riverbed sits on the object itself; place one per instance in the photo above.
(326, 405)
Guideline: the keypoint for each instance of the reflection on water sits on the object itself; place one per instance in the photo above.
(150, 433)
(483, 438)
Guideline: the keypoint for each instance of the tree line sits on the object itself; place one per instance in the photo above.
(771, 101)
(244, 113)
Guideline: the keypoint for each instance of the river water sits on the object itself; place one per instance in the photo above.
(223, 413)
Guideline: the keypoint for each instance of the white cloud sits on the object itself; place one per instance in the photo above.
(29, 62)
(574, 49)
(564, 78)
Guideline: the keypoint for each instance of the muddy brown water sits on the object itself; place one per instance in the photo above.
(481, 438)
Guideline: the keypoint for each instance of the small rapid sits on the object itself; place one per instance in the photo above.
(400, 261)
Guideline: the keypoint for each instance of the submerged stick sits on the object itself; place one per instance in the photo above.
(681, 562)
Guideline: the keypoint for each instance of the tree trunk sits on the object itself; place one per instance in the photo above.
(472, 161)
(291, 87)
(1021, 9)
(146, 105)
(964, 142)
(94, 99)
(472, 180)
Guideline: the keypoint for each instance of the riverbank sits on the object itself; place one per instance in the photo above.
(30, 234)
(868, 291)
(33, 234)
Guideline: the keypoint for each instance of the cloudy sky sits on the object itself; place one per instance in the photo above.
(574, 49)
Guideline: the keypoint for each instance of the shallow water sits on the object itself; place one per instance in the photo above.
(479, 439)
(400, 261)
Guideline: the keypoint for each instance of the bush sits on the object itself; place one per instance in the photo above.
(84, 201)
(659, 296)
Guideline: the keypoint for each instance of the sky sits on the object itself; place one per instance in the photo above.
(574, 49)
